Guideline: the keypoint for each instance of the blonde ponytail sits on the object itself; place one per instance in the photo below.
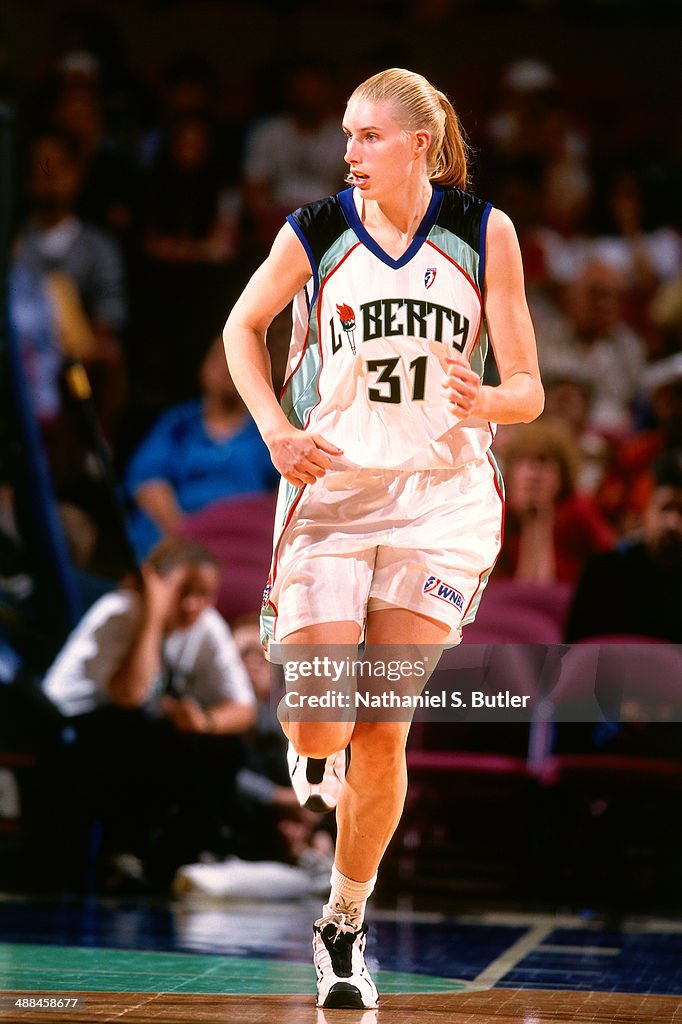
(449, 165)
(418, 104)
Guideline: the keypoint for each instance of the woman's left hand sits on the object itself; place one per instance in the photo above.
(462, 387)
(186, 714)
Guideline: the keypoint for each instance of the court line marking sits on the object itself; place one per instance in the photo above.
(580, 950)
(518, 919)
(399, 916)
(512, 956)
(635, 925)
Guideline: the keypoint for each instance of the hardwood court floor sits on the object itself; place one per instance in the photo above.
(181, 962)
(498, 1006)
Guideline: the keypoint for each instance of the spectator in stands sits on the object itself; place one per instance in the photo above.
(296, 156)
(81, 269)
(184, 222)
(533, 118)
(159, 697)
(637, 588)
(263, 784)
(189, 242)
(665, 312)
(629, 481)
(274, 824)
(197, 453)
(593, 333)
(33, 323)
(557, 248)
(551, 529)
(629, 239)
(568, 396)
(189, 87)
(109, 187)
(534, 139)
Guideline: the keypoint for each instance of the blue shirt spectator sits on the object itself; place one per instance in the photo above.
(200, 468)
(197, 453)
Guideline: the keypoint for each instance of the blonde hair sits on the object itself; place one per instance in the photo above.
(419, 105)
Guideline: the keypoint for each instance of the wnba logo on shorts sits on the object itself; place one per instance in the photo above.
(437, 588)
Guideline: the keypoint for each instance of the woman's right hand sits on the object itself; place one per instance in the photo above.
(162, 593)
(301, 457)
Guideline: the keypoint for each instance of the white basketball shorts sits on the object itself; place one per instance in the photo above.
(425, 540)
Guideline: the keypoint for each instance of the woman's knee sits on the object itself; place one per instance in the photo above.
(379, 743)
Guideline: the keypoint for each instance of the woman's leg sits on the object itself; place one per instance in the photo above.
(319, 739)
(371, 801)
(369, 808)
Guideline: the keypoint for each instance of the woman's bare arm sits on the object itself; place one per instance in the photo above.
(299, 456)
(519, 398)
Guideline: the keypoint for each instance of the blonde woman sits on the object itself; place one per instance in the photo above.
(390, 513)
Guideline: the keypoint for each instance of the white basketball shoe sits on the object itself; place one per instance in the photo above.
(343, 981)
(317, 781)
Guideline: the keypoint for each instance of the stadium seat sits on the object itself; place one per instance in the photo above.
(469, 779)
(612, 810)
(514, 611)
(238, 531)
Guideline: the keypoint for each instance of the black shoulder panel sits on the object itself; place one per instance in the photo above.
(321, 223)
(461, 213)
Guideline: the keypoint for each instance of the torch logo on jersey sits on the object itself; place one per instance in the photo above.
(347, 317)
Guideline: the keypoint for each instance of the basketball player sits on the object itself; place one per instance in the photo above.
(390, 513)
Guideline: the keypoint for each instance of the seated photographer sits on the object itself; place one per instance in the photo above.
(159, 697)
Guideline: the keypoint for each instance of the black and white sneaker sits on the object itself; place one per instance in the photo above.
(343, 981)
(316, 781)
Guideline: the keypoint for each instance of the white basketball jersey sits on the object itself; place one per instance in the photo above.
(371, 334)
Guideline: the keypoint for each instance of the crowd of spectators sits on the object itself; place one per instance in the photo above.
(144, 207)
(140, 220)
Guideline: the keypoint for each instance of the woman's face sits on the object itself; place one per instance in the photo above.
(534, 483)
(197, 590)
(381, 154)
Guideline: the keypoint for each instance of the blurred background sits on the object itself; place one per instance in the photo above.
(150, 152)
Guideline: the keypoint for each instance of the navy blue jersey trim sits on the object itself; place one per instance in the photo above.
(461, 214)
(482, 246)
(311, 258)
(428, 220)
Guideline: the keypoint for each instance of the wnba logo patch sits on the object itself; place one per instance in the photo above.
(437, 588)
(430, 276)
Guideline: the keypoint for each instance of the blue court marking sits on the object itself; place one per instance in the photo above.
(450, 949)
(603, 961)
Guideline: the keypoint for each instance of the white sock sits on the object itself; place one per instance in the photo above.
(349, 897)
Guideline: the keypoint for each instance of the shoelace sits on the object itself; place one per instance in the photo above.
(341, 921)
